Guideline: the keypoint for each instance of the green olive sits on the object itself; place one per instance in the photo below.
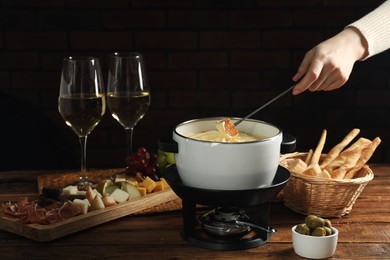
(315, 226)
(302, 229)
(319, 232)
(327, 223)
(316, 222)
(328, 230)
(308, 218)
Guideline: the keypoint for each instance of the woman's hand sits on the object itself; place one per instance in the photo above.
(329, 64)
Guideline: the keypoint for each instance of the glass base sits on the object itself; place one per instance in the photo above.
(84, 183)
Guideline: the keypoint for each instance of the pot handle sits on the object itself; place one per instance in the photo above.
(168, 145)
(289, 144)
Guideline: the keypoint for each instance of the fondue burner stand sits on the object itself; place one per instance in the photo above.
(228, 226)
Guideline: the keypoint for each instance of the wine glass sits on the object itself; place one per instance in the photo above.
(128, 95)
(82, 101)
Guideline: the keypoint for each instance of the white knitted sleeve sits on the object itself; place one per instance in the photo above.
(375, 27)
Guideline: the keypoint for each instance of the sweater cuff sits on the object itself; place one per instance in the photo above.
(375, 28)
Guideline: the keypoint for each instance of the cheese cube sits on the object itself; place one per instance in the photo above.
(70, 190)
(83, 205)
(142, 190)
(159, 186)
(166, 185)
(149, 184)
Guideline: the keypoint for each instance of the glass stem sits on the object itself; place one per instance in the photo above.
(83, 152)
(129, 137)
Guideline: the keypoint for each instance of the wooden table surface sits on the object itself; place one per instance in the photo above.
(364, 233)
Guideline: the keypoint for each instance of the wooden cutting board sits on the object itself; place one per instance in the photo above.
(155, 202)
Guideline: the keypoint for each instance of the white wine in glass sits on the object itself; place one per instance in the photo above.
(82, 101)
(128, 94)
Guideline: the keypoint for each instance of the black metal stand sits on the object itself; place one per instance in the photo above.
(194, 235)
(257, 200)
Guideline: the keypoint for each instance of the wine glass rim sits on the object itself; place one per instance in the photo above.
(126, 54)
(77, 57)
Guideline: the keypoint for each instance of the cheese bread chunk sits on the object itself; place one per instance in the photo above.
(227, 129)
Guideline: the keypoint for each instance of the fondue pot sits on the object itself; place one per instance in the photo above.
(227, 166)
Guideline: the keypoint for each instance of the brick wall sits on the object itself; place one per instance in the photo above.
(204, 58)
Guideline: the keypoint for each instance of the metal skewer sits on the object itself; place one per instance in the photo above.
(263, 106)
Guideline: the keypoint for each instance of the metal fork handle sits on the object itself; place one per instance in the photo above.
(263, 106)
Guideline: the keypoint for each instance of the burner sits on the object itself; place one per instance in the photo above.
(229, 222)
(227, 227)
(226, 214)
(225, 222)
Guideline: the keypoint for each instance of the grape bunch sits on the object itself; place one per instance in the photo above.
(164, 159)
(143, 162)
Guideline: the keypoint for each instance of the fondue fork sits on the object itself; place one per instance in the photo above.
(263, 106)
(268, 230)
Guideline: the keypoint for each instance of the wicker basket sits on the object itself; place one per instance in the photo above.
(322, 197)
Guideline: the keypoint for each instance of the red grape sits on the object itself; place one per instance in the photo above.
(143, 162)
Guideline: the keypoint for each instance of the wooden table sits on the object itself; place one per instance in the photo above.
(364, 233)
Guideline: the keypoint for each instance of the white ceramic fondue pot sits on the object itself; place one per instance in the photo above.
(227, 166)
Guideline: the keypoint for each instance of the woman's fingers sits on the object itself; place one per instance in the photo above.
(324, 73)
(310, 77)
(329, 64)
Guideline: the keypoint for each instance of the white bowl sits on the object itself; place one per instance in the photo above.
(314, 247)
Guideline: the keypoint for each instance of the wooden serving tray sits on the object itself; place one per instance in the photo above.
(165, 200)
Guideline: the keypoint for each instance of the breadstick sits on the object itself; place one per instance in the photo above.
(359, 145)
(296, 166)
(360, 173)
(351, 158)
(366, 155)
(325, 174)
(320, 146)
(360, 142)
(336, 150)
(313, 170)
(309, 155)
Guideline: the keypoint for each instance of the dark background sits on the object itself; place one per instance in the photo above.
(204, 58)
